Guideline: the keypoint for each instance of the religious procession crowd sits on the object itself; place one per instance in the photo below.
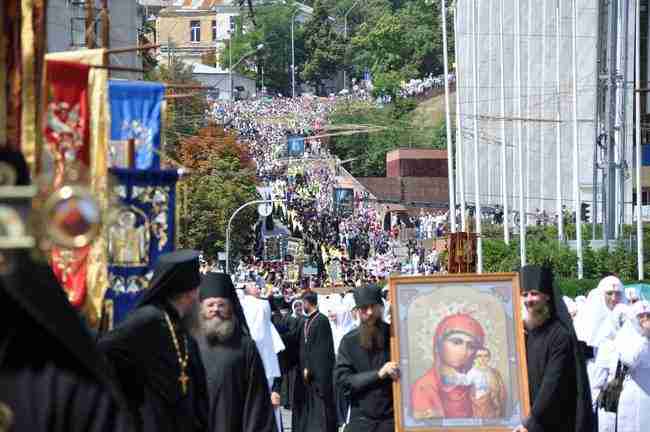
(201, 353)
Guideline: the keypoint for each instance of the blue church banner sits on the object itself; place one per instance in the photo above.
(143, 228)
(136, 108)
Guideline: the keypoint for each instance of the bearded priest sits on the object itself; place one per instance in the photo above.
(237, 385)
(557, 375)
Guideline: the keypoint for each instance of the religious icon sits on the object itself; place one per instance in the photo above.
(128, 238)
(459, 343)
(334, 270)
(292, 272)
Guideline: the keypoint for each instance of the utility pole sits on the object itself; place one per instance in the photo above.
(105, 35)
(345, 34)
(90, 24)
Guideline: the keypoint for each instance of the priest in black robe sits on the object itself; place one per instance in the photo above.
(557, 375)
(237, 385)
(313, 408)
(364, 373)
(52, 377)
(157, 360)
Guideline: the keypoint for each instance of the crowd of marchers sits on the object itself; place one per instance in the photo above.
(200, 354)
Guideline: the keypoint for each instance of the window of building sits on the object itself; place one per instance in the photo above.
(214, 30)
(195, 31)
(233, 23)
(78, 24)
(645, 155)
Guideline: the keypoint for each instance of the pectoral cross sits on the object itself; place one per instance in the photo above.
(183, 379)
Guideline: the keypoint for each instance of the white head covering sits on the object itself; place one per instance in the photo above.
(632, 294)
(293, 307)
(631, 344)
(344, 324)
(263, 332)
(592, 324)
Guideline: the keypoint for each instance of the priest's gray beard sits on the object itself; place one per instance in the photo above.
(372, 338)
(218, 330)
(536, 315)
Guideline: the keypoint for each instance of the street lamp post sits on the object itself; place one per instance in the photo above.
(230, 66)
(293, 57)
(242, 207)
(345, 34)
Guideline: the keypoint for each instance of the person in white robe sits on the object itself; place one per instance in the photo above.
(633, 346)
(604, 369)
(341, 321)
(592, 322)
(267, 339)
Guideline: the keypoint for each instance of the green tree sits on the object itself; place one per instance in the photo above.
(324, 48)
(183, 116)
(222, 179)
(399, 41)
(273, 30)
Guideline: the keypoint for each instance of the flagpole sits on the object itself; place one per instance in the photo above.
(576, 187)
(558, 128)
(477, 204)
(504, 183)
(450, 150)
(637, 150)
(520, 143)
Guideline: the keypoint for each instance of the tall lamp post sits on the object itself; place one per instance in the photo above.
(345, 34)
(293, 56)
(242, 207)
(231, 66)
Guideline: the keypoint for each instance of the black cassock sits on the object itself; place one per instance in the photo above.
(52, 378)
(356, 376)
(559, 391)
(143, 353)
(238, 389)
(313, 407)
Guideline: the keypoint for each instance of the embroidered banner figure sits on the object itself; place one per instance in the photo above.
(140, 231)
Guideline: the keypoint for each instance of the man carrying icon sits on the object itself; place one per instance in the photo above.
(364, 373)
(557, 376)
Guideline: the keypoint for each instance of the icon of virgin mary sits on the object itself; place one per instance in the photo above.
(447, 390)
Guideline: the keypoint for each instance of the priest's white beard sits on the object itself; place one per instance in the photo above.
(217, 329)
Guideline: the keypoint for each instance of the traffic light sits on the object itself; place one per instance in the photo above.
(584, 212)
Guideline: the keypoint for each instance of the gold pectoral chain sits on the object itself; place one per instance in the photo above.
(182, 360)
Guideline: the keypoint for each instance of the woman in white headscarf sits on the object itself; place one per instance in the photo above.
(604, 367)
(593, 323)
(633, 347)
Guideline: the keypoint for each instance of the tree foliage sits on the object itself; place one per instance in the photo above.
(222, 179)
(324, 48)
(398, 41)
(273, 30)
(183, 116)
(397, 131)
